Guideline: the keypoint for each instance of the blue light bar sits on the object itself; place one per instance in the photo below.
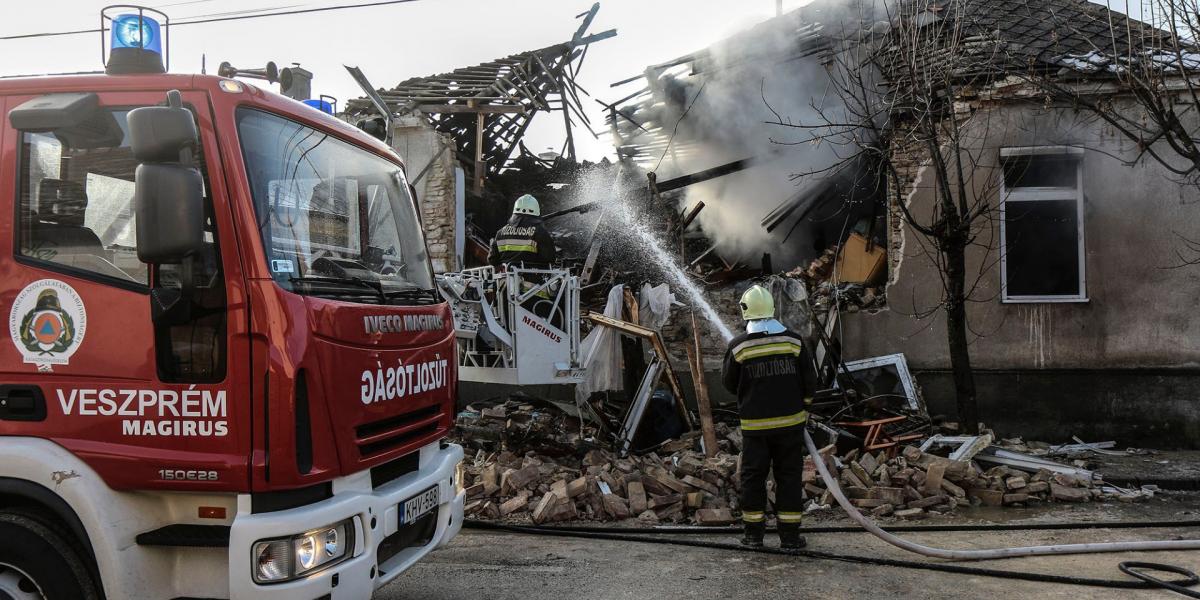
(136, 31)
(321, 105)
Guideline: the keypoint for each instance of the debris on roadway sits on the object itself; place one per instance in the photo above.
(535, 462)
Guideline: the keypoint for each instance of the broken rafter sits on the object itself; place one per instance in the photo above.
(487, 108)
(705, 175)
(464, 108)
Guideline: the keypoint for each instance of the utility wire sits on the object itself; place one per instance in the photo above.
(676, 130)
(247, 11)
(216, 20)
(161, 6)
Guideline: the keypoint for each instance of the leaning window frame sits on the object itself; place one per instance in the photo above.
(1027, 194)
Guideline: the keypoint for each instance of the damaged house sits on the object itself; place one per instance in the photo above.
(1081, 313)
(1080, 309)
(1079, 305)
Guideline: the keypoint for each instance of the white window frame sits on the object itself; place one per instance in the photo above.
(1025, 194)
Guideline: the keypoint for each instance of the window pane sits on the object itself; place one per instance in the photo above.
(332, 212)
(1041, 170)
(1041, 241)
(76, 197)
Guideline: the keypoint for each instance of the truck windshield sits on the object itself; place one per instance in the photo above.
(336, 220)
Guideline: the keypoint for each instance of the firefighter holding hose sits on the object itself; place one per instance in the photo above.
(764, 367)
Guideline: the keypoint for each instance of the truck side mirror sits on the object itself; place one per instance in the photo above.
(168, 194)
(169, 203)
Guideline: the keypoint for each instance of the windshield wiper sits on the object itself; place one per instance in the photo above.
(415, 294)
(376, 287)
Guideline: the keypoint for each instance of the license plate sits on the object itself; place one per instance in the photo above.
(418, 506)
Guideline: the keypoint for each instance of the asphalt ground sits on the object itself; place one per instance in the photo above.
(497, 565)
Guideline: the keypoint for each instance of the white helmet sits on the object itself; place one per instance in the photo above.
(527, 205)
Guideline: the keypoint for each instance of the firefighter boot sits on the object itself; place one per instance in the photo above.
(789, 536)
(753, 536)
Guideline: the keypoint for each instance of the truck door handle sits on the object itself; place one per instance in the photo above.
(22, 403)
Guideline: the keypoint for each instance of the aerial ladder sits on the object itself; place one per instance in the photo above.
(516, 327)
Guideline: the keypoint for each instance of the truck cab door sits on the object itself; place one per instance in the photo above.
(149, 402)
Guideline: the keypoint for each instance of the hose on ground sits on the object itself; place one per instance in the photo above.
(1131, 568)
(1189, 579)
(1059, 526)
(989, 554)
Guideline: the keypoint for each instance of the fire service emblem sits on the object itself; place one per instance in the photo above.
(47, 322)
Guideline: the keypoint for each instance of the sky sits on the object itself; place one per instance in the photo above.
(395, 42)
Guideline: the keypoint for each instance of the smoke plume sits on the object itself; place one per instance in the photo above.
(721, 107)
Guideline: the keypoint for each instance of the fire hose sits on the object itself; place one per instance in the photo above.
(994, 553)
(625, 535)
(1132, 568)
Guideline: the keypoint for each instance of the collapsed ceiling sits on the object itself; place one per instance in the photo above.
(486, 108)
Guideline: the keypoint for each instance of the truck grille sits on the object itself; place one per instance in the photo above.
(393, 432)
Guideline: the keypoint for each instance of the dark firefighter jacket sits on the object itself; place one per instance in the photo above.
(768, 373)
(523, 240)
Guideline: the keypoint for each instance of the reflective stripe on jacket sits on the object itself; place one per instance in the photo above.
(770, 376)
(522, 241)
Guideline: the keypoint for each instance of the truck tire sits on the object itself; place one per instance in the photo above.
(37, 563)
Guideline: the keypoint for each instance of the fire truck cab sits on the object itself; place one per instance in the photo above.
(229, 373)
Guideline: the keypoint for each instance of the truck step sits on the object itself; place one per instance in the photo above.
(191, 536)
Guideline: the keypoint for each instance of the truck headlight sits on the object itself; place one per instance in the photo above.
(285, 559)
(460, 478)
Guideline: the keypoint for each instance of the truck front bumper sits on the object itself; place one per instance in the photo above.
(376, 514)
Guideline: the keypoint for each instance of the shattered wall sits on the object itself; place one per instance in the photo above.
(1137, 326)
(424, 149)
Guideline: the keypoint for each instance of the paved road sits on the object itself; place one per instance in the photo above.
(500, 566)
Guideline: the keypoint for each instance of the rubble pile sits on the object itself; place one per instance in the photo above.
(818, 278)
(530, 460)
(535, 461)
(914, 484)
(679, 488)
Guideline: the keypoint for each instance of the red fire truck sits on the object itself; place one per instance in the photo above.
(229, 374)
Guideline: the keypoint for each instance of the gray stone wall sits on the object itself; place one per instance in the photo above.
(418, 144)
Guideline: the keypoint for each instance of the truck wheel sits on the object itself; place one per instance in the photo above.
(36, 563)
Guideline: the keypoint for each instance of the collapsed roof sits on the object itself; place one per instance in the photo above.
(486, 108)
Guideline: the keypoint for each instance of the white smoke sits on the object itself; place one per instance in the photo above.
(724, 113)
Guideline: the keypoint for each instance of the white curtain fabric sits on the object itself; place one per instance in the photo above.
(600, 352)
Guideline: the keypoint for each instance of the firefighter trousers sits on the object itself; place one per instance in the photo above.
(782, 452)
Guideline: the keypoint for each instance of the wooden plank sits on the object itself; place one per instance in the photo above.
(673, 379)
(631, 305)
(660, 349)
(464, 108)
(480, 166)
(622, 326)
(399, 98)
(702, 176)
(696, 367)
(703, 405)
(691, 216)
